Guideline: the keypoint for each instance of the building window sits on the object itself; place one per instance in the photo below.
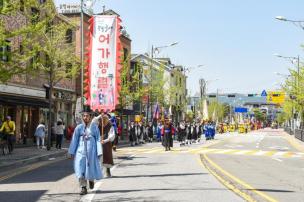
(69, 36)
(5, 51)
(126, 53)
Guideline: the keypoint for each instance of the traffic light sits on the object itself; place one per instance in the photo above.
(231, 95)
(211, 96)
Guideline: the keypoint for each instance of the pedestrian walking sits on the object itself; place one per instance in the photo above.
(59, 134)
(86, 149)
(107, 133)
(40, 135)
(8, 129)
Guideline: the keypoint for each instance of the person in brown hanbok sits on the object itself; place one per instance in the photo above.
(107, 133)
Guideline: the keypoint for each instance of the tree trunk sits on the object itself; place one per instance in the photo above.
(50, 111)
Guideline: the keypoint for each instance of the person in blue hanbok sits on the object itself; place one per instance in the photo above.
(86, 149)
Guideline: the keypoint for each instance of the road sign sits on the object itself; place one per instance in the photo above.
(264, 93)
(240, 110)
(276, 97)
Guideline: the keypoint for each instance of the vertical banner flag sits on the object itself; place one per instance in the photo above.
(103, 62)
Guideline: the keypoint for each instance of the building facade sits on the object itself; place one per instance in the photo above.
(24, 96)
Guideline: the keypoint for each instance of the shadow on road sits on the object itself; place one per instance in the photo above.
(161, 175)
(270, 190)
(24, 196)
(129, 157)
(140, 164)
(164, 189)
(49, 173)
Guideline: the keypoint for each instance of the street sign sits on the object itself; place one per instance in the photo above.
(276, 97)
(264, 93)
(240, 110)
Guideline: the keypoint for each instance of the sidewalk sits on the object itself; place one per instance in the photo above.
(25, 155)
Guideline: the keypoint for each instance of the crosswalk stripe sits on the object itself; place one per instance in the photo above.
(288, 154)
(222, 151)
(252, 152)
(280, 153)
(242, 152)
(202, 151)
(260, 153)
(270, 153)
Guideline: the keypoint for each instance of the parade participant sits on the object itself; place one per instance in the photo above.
(212, 129)
(159, 131)
(114, 124)
(140, 133)
(86, 149)
(132, 134)
(149, 130)
(107, 133)
(167, 130)
(181, 133)
(194, 132)
(189, 133)
(199, 131)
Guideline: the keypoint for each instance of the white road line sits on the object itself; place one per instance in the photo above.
(242, 152)
(153, 151)
(260, 153)
(206, 151)
(222, 151)
(89, 197)
(281, 153)
(277, 159)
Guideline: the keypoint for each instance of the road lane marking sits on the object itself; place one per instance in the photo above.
(260, 153)
(239, 181)
(280, 153)
(227, 184)
(277, 159)
(90, 196)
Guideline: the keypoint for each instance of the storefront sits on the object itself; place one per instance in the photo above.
(25, 109)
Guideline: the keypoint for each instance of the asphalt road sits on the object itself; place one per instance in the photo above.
(154, 175)
(264, 167)
(274, 169)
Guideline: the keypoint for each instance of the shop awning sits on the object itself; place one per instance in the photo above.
(23, 101)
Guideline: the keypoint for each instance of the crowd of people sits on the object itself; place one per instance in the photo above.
(166, 131)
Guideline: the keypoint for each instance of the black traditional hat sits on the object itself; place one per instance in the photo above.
(87, 109)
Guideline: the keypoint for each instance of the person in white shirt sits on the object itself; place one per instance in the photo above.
(59, 134)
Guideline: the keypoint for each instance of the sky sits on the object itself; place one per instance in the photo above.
(235, 40)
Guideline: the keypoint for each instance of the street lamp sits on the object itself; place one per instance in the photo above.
(153, 50)
(292, 59)
(298, 23)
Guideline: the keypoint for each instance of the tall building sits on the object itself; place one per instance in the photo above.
(23, 97)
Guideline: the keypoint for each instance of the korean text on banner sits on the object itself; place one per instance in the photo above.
(103, 68)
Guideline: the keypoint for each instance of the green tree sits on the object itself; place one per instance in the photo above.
(15, 41)
(259, 115)
(54, 50)
(220, 111)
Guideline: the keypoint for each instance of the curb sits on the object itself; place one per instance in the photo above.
(32, 160)
(293, 141)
